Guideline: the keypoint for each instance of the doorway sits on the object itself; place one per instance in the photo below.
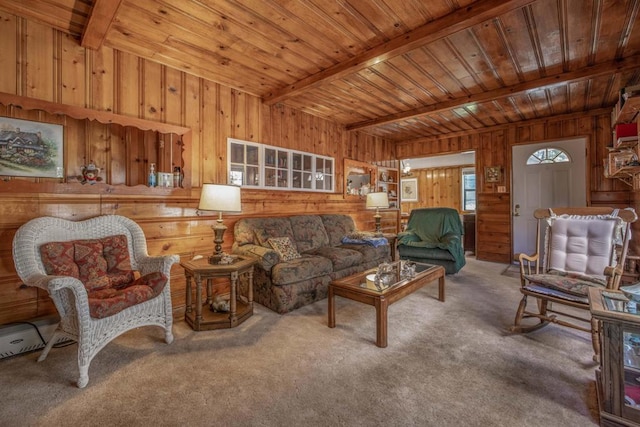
(544, 175)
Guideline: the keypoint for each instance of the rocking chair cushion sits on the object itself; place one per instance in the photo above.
(109, 301)
(575, 284)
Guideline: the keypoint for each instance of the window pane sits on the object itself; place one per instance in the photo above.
(548, 155)
(469, 190)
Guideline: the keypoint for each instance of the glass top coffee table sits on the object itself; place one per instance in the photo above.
(357, 287)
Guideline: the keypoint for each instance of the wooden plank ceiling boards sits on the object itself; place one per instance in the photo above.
(398, 69)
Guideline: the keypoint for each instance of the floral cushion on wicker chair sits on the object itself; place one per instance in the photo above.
(109, 301)
(104, 267)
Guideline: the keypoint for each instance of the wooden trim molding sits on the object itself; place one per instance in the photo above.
(81, 113)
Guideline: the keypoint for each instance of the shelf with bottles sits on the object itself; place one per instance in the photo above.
(84, 171)
(388, 182)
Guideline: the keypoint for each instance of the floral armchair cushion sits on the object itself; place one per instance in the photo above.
(109, 301)
(104, 267)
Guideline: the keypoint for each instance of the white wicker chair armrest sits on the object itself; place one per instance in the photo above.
(149, 264)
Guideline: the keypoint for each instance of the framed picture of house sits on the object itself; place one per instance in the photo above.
(492, 174)
(409, 189)
(32, 149)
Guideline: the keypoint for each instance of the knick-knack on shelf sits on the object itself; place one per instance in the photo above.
(90, 174)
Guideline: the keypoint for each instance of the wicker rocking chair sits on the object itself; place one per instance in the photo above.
(100, 277)
(583, 247)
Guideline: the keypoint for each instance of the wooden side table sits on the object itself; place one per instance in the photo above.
(393, 240)
(240, 310)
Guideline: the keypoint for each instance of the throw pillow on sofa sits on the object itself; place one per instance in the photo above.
(284, 247)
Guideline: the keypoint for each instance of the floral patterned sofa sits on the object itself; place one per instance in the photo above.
(300, 255)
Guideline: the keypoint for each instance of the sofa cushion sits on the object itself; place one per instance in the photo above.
(266, 228)
(243, 233)
(337, 226)
(297, 270)
(284, 247)
(340, 257)
(309, 232)
(370, 253)
(109, 301)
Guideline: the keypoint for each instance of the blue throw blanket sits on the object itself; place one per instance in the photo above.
(365, 240)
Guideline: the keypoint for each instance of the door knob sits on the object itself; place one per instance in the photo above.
(516, 210)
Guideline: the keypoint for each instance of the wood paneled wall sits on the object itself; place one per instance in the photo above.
(437, 187)
(493, 148)
(41, 63)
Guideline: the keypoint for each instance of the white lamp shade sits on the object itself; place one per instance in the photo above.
(377, 200)
(220, 198)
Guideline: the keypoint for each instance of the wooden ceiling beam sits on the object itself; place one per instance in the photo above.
(459, 20)
(99, 22)
(604, 68)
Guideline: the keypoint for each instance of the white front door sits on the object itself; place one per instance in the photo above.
(544, 185)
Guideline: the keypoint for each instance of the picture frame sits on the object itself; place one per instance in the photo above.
(409, 189)
(31, 149)
(492, 174)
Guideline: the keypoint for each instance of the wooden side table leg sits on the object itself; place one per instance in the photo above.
(441, 288)
(188, 296)
(382, 308)
(232, 302)
(331, 320)
(250, 287)
(209, 291)
(198, 302)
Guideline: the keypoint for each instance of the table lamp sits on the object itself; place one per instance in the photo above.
(219, 198)
(376, 201)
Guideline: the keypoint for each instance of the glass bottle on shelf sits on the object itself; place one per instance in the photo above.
(152, 175)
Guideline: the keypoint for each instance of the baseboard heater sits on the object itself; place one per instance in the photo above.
(23, 337)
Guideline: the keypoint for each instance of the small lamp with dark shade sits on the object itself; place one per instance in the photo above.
(219, 198)
(377, 201)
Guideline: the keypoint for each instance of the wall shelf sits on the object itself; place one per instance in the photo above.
(164, 152)
(622, 162)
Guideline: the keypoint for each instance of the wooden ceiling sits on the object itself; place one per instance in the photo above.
(398, 69)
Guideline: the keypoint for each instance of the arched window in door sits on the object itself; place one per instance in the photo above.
(548, 155)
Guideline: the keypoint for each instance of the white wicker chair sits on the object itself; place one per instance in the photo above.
(69, 294)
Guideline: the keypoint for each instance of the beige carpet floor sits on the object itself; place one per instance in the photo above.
(447, 364)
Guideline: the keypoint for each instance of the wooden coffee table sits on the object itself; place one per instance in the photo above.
(353, 287)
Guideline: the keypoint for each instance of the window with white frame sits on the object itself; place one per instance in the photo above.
(548, 155)
(263, 166)
(468, 189)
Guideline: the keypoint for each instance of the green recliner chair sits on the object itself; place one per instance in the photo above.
(433, 236)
